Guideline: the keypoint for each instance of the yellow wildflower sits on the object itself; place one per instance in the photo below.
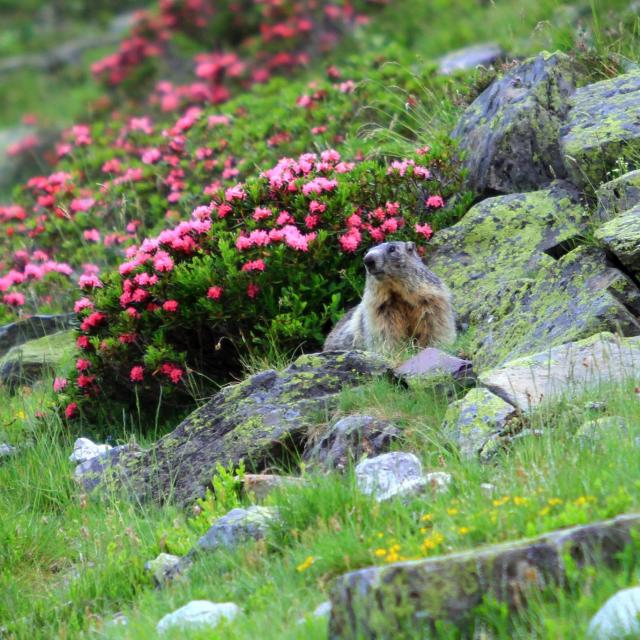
(427, 517)
(544, 511)
(553, 502)
(380, 552)
(303, 566)
(453, 511)
(519, 501)
(463, 531)
(498, 502)
(21, 415)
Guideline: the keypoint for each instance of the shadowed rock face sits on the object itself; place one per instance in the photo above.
(382, 602)
(258, 420)
(510, 132)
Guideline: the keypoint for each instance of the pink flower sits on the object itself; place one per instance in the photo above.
(137, 374)
(13, 299)
(435, 202)
(162, 261)
(214, 293)
(170, 306)
(235, 193)
(71, 410)
(253, 290)
(151, 156)
(89, 281)
(82, 365)
(92, 235)
(85, 381)
(82, 342)
(83, 303)
(254, 265)
(81, 204)
(425, 230)
(59, 384)
(92, 321)
(261, 213)
(350, 241)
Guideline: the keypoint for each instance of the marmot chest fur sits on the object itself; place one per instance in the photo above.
(403, 302)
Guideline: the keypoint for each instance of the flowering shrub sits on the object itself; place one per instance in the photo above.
(270, 260)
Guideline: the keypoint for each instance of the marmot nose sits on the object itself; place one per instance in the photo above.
(369, 262)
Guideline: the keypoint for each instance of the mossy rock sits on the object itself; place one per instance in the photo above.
(263, 420)
(572, 298)
(621, 236)
(619, 195)
(474, 421)
(33, 359)
(509, 134)
(22, 331)
(601, 129)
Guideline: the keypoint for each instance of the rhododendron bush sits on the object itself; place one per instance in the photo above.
(270, 260)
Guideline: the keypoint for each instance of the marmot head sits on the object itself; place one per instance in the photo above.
(390, 259)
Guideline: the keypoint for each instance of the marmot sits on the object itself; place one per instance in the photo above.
(403, 301)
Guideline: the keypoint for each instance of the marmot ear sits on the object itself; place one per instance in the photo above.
(411, 246)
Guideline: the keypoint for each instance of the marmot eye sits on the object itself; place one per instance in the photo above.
(391, 249)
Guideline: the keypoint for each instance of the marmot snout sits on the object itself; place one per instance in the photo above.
(403, 301)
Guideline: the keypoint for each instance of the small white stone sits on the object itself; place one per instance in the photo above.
(198, 613)
(619, 617)
(389, 475)
(84, 449)
(439, 481)
(322, 610)
(488, 488)
(6, 450)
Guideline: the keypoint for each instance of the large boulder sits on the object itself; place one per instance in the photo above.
(621, 236)
(384, 601)
(501, 244)
(31, 360)
(261, 420)
(21, 331)
(602, 127)
(390, 475)
(350, 439)
(477, 55)
(618, 618)
(476, 421)
(528, 381)
(574, 298)
(509, 134)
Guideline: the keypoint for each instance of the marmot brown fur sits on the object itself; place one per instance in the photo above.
(403, 302)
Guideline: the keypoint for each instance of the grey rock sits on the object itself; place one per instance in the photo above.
(561, 370)
(478, 55)
(618, 618)
(322, 610)
(380, 602)
(17, 333)
(575, 297)
(438, 481)
(621, 236)
(161, 566)
(84, 449)
(237, 526)
(432, 362)
(510, 132)
(619, 195)
(93, 472)
(601, 129)
(594, 430)
(32, 360)
(476, 420)
(198, 614)
(349, 439)
(390, 475)
(6, 450)
(258, 420)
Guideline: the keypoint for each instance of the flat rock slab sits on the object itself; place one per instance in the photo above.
(350, 439)
(477, 55)
(198, 615)
(621, 236)
(31, 360)
(474, 422)
(509, 134)
(262, 420)
(566, 369)
(602, 127)
(432, 362)
(380, 602)
(31, 328)
(619, 195)
(390, 475)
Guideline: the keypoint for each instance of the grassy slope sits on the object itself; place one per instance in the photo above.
(67, 564)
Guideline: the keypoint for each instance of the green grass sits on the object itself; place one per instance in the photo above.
(69, 562)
